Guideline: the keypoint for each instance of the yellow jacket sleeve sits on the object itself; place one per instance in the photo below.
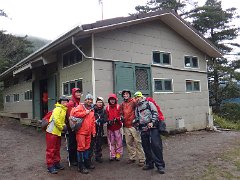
(59, 118)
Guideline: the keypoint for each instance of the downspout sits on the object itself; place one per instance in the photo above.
(93, 70)
(88, 57)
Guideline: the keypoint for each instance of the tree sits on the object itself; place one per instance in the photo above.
(175, 5)
(12, 50)
(215, 24)
(2, 13)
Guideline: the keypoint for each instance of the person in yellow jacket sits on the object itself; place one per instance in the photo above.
(53, 135)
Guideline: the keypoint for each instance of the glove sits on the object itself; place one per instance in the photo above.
(64, 128)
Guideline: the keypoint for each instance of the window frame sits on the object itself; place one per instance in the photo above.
(6, 99)
(192, 85)
(30, 95)
(163, 86)
(161, 59)
(14, 97)
(69, 89)
(69, 53)
(191, 61)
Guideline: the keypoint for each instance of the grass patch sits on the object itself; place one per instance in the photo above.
(226, 124)
(229, 168)
(213, 172)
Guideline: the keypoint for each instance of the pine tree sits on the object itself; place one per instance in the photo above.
(155, 5)
(215, 24)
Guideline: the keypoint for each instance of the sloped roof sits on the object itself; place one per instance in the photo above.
(168, 17)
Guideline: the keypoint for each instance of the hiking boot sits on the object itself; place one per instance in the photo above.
(81, 168)
(147, 167)
(117, 159)
(161, 170)
(58, 166)
(111, 159)
(131, 161)
(141, 164)
(74, 163)
(99, 159)
(52, 170)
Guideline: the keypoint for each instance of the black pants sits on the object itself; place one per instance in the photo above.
(96, 143)
(152, 147)
(72, 146)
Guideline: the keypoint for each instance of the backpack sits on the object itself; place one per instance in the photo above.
(45, 120)
(161, 125)
(160, 114)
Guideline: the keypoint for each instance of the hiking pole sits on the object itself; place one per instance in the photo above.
(66, 140)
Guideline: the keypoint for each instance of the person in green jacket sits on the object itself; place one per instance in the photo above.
(53, 135)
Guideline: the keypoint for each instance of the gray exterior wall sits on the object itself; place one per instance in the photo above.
(135, 44)
(81, 70)
(103, 78)
(190, 106)
(23, 106)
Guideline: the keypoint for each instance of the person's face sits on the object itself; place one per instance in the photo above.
(99, 104)
(137, 99)
(112, 101)
(64, 103)
(78, 94)
(126, 95)
(89, 101)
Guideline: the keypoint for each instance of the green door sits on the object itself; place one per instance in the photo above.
(36, 100)
(135, 77)
(124, 78)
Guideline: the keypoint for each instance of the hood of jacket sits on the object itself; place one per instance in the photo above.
(73, 95)
(112, 96)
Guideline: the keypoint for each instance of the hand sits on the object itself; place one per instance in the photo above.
(88, 111)
(64, 128)
(150, 125)
(94, 135)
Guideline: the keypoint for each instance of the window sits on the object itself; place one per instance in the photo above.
(192, 85)
(163, 85)
(7, 98)
(71, 57)
(161, 58)
(191, 62)
(15, 97)
(67, 86)
(28, 95)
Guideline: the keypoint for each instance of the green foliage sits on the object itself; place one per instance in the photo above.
(2, 13)
(231, 112)
(155, 5)
(215, 23)
(12, 50)
(226, 124)
(37, 43)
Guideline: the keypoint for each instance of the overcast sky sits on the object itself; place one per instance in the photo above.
(49, 19)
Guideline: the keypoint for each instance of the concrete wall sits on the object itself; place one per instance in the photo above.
(135, 44)
(23, 106)
(81, 70)
(104, 78)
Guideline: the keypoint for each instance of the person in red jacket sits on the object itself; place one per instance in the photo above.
(132, 136)
(84, 133)
(113, 128)
(71, 135)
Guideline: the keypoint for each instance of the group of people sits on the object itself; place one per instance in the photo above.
(137, 116)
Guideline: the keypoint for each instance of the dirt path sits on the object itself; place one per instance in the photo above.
(22, 156)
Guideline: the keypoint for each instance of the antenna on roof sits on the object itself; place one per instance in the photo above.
(101, 3)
